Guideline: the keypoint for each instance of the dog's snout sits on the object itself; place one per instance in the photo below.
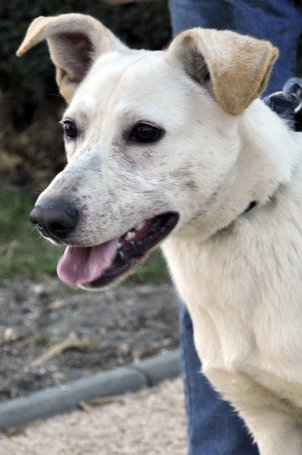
(55, 219)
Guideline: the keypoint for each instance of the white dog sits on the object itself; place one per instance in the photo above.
(176, 142)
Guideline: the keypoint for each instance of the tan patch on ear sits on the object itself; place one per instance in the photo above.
(239, 65)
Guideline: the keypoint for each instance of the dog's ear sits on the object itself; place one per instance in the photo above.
(74, 41)
(238, 67)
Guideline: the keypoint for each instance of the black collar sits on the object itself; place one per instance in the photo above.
(250, 207)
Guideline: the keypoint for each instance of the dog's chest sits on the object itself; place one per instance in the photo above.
(244, 294)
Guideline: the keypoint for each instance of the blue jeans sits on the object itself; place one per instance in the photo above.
(213, 426)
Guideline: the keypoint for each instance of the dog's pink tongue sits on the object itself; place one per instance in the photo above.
(80, 266)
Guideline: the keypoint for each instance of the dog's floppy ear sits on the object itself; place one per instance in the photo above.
(74, 41)
(238, 66)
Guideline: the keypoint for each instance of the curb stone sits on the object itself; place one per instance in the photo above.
(57, 400)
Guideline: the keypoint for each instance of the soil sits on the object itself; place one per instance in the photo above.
(50, 335)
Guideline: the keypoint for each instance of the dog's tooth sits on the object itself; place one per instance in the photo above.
(140, 226)
(120, 254)
(130, 235)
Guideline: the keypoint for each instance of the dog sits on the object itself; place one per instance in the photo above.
(176, 148)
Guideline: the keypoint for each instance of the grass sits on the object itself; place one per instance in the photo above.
(24, 253)
(22, 250)
(41, 339)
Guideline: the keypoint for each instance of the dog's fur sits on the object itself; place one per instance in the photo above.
(239, 273)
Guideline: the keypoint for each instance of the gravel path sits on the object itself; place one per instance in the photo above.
(150, 422)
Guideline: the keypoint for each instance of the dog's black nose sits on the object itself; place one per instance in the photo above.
(55, 219)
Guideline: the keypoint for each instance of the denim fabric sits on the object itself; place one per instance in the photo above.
(279, 21)
(213, 426)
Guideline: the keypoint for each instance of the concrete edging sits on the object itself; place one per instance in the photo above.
(57, 400)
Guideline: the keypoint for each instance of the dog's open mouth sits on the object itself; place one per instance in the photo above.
(100, 265)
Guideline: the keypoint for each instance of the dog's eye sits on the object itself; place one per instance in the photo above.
(70, 129)
(145, 133)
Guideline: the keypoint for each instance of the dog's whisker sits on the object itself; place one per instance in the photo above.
(39, 186)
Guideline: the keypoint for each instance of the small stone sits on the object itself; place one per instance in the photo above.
(10, 334)
(37, 289)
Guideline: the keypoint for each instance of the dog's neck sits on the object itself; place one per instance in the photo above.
(266, 162)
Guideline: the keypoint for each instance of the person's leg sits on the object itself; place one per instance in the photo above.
(213, 426)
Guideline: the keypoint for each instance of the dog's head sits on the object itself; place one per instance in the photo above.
(150, 137)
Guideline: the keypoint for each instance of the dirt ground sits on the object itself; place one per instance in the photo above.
(150, 422)
(50, 335)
